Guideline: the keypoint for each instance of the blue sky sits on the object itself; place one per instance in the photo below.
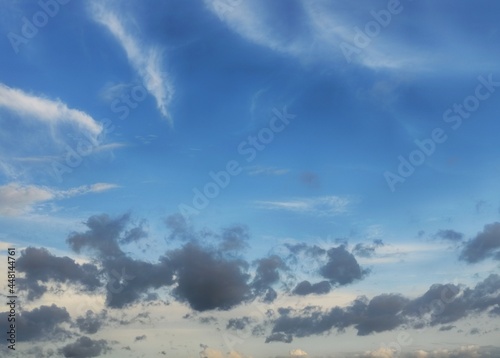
(228, 158)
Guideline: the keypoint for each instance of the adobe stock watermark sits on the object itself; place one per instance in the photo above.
(453, 116)
(249, 148)
(238, 335)
(118, 281)
(364, 36)
(73, 156)
(30, 27)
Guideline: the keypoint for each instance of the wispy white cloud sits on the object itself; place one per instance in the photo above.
(17, 199)
(51, 112)
(146, 60)
(314, 31)
(324, 205)
(36, 130)
(260, 170)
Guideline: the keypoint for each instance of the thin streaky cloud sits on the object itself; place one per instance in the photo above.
(324, 205)
(17, 199)
(50, 112)
(146, 60)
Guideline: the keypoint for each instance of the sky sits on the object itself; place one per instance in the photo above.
(250, 178)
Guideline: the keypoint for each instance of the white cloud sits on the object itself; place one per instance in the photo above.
(324, 205)
(36, 130)
(318, 30)
(470, 351)
(17, 199)
(48, 111)
(382, 352)
(215, 353)
(298, 353)
(146, 60)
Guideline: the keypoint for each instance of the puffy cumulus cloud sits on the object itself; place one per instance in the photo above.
(40, 266)
(334, 263)
(90, 323)
(305, 288)
(298, 353)
(179, 228)
(484, 245)
(103, 236)
(85, 347)
(239, 323)
(130, 280)
(207, 280)
(234, 239)
(279, 337)
(205, 277)
(382, 352)
(441, 304)
(41, 323)
(450, 235)
(267, 273)
(342, 267)
(17, 199)
(208, 352)
(383, 313)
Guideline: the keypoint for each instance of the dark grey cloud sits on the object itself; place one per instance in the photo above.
(104, 235)
(128, 280)
(446, 328)
(279, 337)
(140, 338)
(342, 267)
(40, 323)
(474, 331)
(383, 313)
(40, 266)
(208, 320)
(306, 288)
(207, 280)
(179, 228)
(84, 347)
(234, 239)
(484, 245)
(206, 276)
(313, 251)
(267, 274)
(450, 235)
(239, 323)
(441, 304)
(367, 250)
(90, 323)
(135, 234)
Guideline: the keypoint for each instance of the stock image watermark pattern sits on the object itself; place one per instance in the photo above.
(235, 179)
